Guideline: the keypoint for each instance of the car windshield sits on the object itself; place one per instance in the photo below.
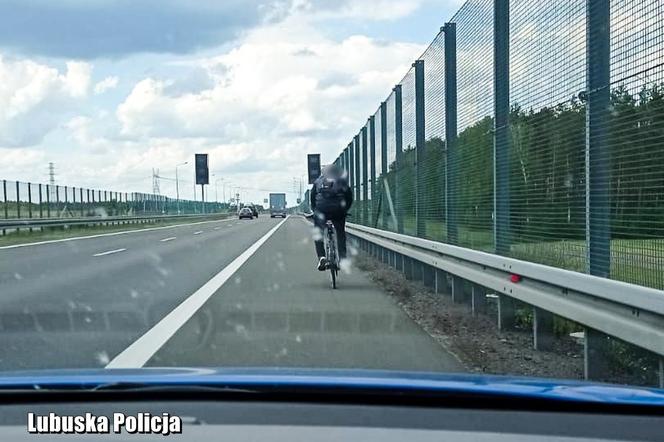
(465, 188)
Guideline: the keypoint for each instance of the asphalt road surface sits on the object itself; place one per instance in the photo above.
(218, 293)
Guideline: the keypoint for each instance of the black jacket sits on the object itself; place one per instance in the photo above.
(336, 205)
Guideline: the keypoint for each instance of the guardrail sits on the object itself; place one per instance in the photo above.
(629, 312)
(61, 222)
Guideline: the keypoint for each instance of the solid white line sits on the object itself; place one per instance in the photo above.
(140, 352)
(198, 233)
(217, 228)
(101, 235)
(168, 239)
(109, 252)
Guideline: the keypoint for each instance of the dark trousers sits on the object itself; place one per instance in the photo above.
(339, 222)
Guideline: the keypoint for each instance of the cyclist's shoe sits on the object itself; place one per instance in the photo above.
(322, 264)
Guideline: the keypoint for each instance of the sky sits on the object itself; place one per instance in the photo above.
(109, 90)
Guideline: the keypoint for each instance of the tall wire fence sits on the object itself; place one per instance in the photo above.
(533, 130)
(22, 200)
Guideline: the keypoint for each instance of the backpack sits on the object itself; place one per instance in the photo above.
(331, 192)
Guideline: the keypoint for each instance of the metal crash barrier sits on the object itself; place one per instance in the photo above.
(604, 307)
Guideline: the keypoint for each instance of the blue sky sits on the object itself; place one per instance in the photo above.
(111, 89)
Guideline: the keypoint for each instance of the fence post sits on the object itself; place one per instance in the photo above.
(365, 178)
(595, 350)
(18, 201)
(398, 134)
(48, 200)
(506, 313)
(478, 299)
(358, 178)
(4, 199)
(598, 229)
(29, 201)
(450, 131)
(543, 335)
(57, 201)
(501, 136)
(372, 175)
(41, 208)
(420, 141)
(383, 160)
(351, 172)
(80, 191)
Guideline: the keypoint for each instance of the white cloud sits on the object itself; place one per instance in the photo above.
(106, 84)
(257, 108)
(284, 90)
(35, 96)
(19, 164)
(272, 85)
(380, 9)
(268, 105)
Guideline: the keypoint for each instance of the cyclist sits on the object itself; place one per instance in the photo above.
(330, 199)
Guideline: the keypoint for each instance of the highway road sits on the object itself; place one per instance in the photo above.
(216, 293)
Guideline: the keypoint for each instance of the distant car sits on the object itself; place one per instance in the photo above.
(245, 212)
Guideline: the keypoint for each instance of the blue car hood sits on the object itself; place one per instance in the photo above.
(308, 379)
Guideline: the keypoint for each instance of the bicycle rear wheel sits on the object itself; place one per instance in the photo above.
(333, 272)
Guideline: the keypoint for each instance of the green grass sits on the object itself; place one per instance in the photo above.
(637, 261)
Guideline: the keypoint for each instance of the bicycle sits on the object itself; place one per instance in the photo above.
(331, 252)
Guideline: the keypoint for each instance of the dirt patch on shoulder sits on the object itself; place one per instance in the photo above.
(475, 340)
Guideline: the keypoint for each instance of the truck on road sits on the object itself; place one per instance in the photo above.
(277, 205)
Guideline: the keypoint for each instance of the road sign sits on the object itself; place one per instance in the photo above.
(202, 172)
(313, 166)
(264, 200)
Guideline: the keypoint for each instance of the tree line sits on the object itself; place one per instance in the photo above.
(547, 171)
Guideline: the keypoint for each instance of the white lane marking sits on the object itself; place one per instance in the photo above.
(168, 239)
(140, 352)
(110, 252)
(198, 233)
(101, 235)
(217, 228)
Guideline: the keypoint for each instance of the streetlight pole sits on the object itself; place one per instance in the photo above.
(230, 186)
(216, 189)
(177, 184)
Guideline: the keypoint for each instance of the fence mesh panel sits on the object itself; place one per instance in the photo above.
(636, 141)
(368, 182)
(11, 199)
(547, 129)
(560, 139)
(433, 159)
(378, 199)
(20, 199)
(406, 171)
(391, 188)
(474, 165)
